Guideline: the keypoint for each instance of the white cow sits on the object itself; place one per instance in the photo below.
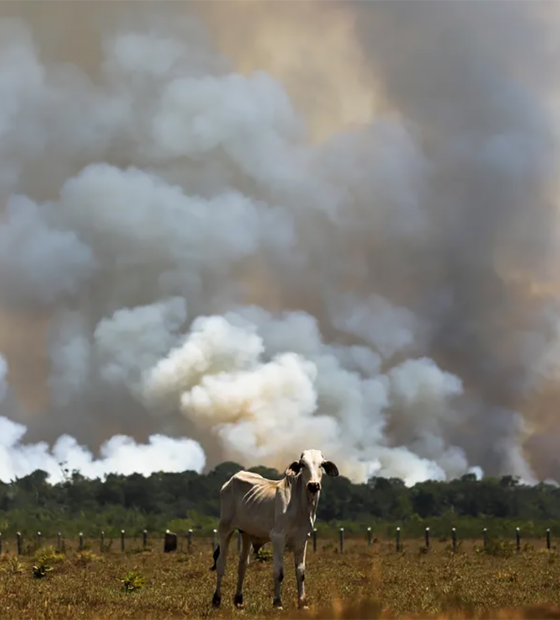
(281, 511)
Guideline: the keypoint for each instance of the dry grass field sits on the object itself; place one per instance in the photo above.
(364, 582)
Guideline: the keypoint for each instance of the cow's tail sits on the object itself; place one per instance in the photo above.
(216, 556)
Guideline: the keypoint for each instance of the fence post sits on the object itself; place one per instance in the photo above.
(59, 542)
(454, 539)
(122, 540)
(369, 536)
(81, 537)
(38, 540)
(189, 539)
(18, 537)
(547, 540)
(485, 538)
(314, 540)
(427, 537)
(102, 541)
(517, 539)
(398, 539)
(145, 538)
(214, 540)
(169, 542)
(341, 540)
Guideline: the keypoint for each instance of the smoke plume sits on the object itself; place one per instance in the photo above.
(239, 247)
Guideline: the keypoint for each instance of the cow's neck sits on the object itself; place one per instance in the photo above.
(307, 503)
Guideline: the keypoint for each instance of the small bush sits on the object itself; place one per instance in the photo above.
(86, 557)
(499, 548)
(41, 569)
(264, 555)
(132, 581)
(48, 555)
(12, 564)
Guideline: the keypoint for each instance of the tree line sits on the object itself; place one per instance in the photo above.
(181, 501)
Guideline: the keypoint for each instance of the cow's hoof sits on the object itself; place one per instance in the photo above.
(216, 600)
(238, 601)
(303, 606)
(277, 603)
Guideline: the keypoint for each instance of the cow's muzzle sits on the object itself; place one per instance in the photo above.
(313, 487)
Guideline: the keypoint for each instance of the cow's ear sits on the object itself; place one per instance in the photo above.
(330, 468)
(293, 469)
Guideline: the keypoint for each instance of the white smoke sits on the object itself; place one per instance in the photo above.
(267, 387)
(211, 274)
(119, 454)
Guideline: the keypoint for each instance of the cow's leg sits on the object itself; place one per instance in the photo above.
(299, 560)
(278, 546)
(225, 535)
(243, 561)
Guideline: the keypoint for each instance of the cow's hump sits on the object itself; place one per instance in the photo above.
(248, 476)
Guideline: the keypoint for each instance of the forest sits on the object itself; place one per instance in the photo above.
(180, 501)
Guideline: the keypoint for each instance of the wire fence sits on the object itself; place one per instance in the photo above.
(171, 541)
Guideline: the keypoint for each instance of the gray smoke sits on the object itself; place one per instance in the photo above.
(480, 105)
(213, 273)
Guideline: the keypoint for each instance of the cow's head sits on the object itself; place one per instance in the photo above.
(310, 467)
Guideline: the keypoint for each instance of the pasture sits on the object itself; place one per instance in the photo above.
(364, 582)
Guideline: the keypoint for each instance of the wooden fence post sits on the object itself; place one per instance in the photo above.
(427, 537)
(369, 536)
(454, 539)
(547, 540)
(145, 538)
(518, 539)
(398, 539)
(485, 538)
(38, 540)
(59, 542)
(341, 540)
(18, 538)
(122, 540)
(314, 540)
(189, 539)
(81, 538)
(102, 541)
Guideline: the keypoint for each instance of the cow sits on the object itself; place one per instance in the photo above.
(280, 511)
